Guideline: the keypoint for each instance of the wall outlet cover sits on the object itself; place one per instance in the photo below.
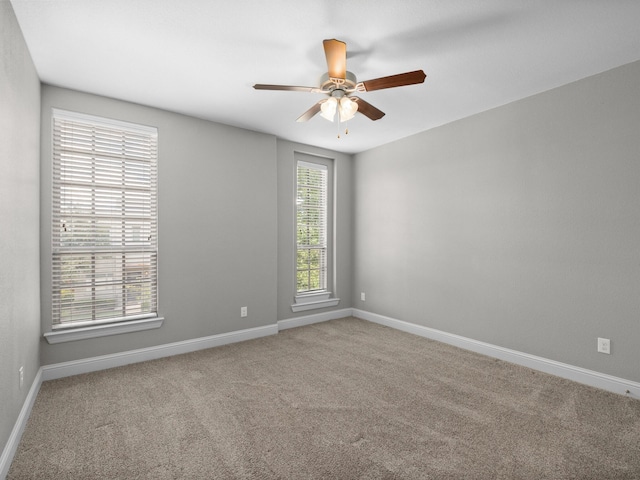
(604, 345)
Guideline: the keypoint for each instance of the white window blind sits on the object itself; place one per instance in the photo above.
(104, 221)
(311, 227)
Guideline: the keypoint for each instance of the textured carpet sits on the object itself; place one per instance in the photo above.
(345, 399)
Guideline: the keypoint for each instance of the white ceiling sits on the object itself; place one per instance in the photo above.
(202, 57)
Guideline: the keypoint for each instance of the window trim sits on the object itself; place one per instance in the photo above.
(316, 299)
(95, 331)
(61, 332)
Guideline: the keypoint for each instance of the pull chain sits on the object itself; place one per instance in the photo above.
(346, 129)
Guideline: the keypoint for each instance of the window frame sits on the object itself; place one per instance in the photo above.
(62, 331)
(316, 298)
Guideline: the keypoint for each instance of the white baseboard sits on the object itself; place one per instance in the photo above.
(563, 370)
(11, 446)
(86, 365)
(314, 318)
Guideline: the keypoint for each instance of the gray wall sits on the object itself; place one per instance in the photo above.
(225, 221)
(518, 226)
(342, 164)
(19, 217)
(217, 226)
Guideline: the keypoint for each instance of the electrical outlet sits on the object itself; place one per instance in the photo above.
(21, 373)
(243, 311)
(604, 345)
(362, 296)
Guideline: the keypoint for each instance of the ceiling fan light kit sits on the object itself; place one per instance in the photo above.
(328, 108)
(339, 84)
(348, 109)
(345, 107)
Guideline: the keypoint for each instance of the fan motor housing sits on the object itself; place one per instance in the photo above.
(329, 84)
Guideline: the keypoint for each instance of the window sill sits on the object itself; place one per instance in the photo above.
(84, 333)
(315, 301)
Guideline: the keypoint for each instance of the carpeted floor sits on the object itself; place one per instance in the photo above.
(345, 399)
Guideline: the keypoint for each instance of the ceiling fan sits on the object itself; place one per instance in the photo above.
(339, 85)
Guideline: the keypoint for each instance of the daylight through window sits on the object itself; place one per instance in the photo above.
(311, 224)
(104, 221)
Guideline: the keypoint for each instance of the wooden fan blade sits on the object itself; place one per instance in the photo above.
(409, 78)
(336, 53)
(367, 109)
(289, 88)
(310, 113)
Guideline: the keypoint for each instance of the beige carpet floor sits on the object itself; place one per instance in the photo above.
(345, 399)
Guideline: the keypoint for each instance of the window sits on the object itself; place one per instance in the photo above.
(104, 221)
(311, 227)
(314, 233)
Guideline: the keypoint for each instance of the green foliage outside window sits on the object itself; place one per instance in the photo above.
(311, 228)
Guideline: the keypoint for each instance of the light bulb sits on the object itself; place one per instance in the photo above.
(328, 108)
(348, 109)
